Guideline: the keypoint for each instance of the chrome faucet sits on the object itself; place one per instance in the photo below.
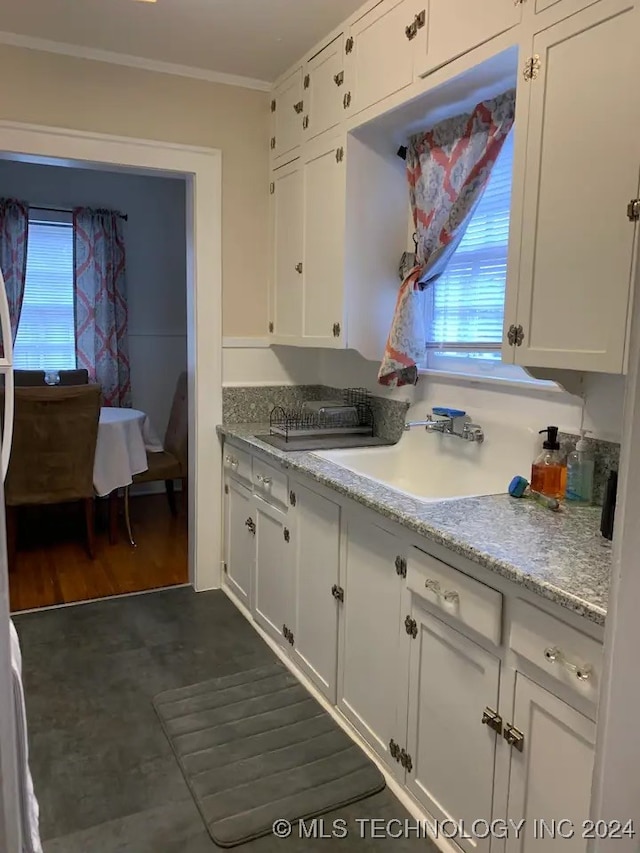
(450, 422)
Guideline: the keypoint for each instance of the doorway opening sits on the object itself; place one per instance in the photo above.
(169, 198)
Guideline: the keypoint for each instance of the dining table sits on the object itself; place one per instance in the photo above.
(124, 437)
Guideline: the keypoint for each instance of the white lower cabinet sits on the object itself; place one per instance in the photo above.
(317, 533)
(239, 552)
(370, 693)
(551, 778)
(413, 653)
(452, 682)
(274, 582)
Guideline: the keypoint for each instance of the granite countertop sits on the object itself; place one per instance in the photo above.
(559, 556)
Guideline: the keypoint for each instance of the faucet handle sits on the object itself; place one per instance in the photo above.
(444, 412)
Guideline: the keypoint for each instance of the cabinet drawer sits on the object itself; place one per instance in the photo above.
(237, 463)
(453, 592)
(270, 483)
(560, 650)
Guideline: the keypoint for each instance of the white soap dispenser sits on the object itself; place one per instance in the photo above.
(580, 467)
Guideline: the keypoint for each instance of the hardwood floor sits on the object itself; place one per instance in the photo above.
(53, 567)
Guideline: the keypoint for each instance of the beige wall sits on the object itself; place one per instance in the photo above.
(47, 89)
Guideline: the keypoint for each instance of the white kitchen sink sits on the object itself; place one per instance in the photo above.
(433, 467)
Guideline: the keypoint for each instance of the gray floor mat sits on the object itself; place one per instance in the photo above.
(256, 746)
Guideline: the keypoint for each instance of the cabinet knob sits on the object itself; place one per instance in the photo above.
(338, 79)
(299, 267)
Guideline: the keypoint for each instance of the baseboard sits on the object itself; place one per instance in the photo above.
(412, 806)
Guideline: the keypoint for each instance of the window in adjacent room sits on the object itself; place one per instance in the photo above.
(465, 306)
(46, 333)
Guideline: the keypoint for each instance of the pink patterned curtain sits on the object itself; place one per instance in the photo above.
(14, 229)
(448, 168)
(101, 302)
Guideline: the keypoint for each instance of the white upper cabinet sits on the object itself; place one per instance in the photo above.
(551, 777)
(582, 168)
(287, 106)
(380, 58)
(452, 682)
(285, 324)
(317, 523)
(323, 169)
(454, 27)
(324, 88)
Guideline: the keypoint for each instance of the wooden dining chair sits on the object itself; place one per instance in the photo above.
(28, 378)
(172, 463)
(74, 377)
(54, 444)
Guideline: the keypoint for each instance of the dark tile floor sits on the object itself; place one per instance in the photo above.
(104, 773)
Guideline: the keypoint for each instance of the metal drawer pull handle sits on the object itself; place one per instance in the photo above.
(434, 586)
(231, 461)
(582, 672)
(266, 481)
(451, 596)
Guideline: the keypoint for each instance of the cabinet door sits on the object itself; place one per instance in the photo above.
(454, 27)
(551, 778)
(324, 230)
(275, 572)
(317, 522)
(582, 167)
(382, 58)
(287, 117)
(239, 540)
(370, 638)
(452, 680)
(324, 90)
(561, 8)
(286, 241)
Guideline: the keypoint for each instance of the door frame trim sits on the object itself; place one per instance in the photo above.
(202, 170)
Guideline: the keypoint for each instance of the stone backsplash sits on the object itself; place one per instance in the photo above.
(253, 404)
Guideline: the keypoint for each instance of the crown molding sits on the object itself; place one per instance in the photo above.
(61, 48)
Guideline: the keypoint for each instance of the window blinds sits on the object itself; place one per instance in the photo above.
(46, 333)
(465, 310)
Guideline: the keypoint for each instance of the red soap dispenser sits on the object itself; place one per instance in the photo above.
(549, 471)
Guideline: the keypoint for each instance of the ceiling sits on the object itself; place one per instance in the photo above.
(258, 39)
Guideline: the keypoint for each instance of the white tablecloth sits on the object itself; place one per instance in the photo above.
(124, 436)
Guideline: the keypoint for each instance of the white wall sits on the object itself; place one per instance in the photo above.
(156, 263)
(485, 402)
(98, 97)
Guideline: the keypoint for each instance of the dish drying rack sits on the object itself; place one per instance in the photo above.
(352, 416)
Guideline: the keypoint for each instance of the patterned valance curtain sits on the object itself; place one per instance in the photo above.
(447, 168)
(100, 296)
(14, 230)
